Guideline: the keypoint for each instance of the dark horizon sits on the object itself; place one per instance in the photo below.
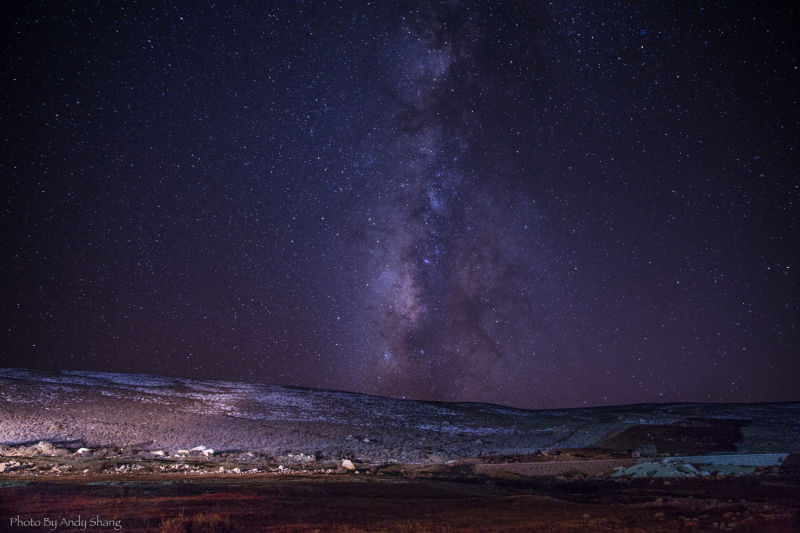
(525, 205)
(403, 398)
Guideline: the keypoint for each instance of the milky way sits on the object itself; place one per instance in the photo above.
(450, 253)
(533, 204)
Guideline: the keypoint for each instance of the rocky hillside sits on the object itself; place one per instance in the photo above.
(142, 412)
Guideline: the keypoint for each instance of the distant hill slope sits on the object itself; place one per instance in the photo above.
(151, 412)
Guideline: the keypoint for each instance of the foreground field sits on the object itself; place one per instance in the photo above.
(169, 503)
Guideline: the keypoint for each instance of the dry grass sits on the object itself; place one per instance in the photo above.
(206, 504)
(198, 523)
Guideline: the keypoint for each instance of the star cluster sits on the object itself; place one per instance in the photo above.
(530, 203)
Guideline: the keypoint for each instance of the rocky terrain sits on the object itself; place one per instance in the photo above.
(153, 417)
(148, 453)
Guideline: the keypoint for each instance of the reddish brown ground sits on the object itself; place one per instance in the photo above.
(346, 503)
(693, 436)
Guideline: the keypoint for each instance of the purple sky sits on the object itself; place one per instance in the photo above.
(522, 203)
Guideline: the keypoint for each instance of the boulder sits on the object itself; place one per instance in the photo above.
(435, 459)
(646, 450)
(43, 448)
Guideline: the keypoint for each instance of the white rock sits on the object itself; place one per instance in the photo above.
(347, 464)
(198, 449)
(182, 452)
(237, 470)
(158, 453)
(81, 451)
(44, 448)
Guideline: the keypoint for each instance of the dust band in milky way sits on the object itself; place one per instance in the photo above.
(451, 286)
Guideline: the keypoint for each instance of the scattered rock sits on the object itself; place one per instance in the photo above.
(300, 458)
(672, 469)
(686, 467)
(43, 448)
(197, 451)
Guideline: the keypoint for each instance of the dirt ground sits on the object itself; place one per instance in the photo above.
(346, 502)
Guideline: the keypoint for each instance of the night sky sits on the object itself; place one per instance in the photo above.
(540, 204)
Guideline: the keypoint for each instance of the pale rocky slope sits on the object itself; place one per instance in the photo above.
(156, 413)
